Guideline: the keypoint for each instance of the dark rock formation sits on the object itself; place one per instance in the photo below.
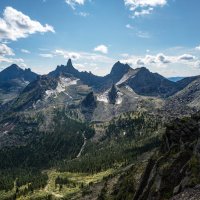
(88, 105)
(176, 166)
(113, 94)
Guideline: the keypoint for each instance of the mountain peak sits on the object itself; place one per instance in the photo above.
(69, 63)
(67, 69)
(118, 65)
(119, 69)
(147, 83)
(143, 69)
(27, 70)
(13, 67)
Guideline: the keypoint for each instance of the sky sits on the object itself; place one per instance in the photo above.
(162, 35)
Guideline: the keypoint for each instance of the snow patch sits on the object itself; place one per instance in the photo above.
(119, 98)
(129, 88)
(104, 98)
(26, 82)
(63, 83)
(125, 78)
(5, 132)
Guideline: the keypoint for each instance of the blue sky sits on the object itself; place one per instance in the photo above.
(162, 35)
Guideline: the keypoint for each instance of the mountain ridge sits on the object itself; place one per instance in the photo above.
(13, 80)
(15, 72)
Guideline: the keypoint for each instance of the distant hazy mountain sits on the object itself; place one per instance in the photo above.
(175, 79)
(15, 72)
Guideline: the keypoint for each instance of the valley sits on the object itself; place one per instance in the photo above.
(75, 135)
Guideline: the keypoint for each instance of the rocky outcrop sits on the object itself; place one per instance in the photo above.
(89, 101)
(113, 95)
(88, 105)
(188, 194)
(175, 167)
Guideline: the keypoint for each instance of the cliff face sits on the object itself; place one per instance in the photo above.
(176, 166)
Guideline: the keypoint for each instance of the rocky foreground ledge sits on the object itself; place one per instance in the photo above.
(188, 194)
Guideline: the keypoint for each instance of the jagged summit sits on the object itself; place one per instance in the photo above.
(119, 68)
(143, 69)
(14, 66)
(12, 69)
(146, 83)
(69, 63)
(64, 70)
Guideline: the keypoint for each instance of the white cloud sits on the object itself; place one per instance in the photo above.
(46, 55)
(125, 55)
(25, 51)
(143, 12)
(187, 57)
(197, 48)
(101, 49)
(197, 64)
(19, 61)
(67, 54)
(129, 26)
(7, 56)
(138, 33)
(143, 7)
(86, 56)
(79, 66)
(74, 3)
(5, 50)
(143, 34)
(14, 25)
(83, 14)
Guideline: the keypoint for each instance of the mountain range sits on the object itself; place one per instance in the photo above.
(131, 134)
(67, 85)
(141, 80)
